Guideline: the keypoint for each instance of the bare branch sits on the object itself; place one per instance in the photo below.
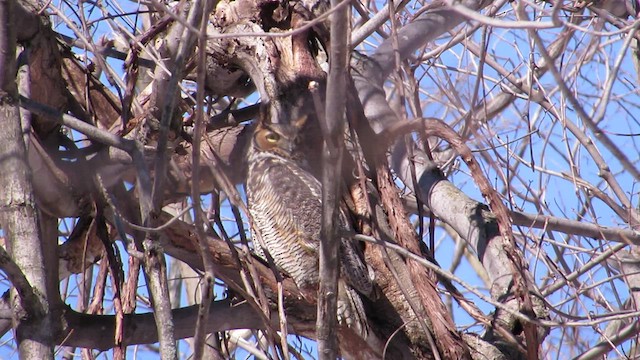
(333, 148)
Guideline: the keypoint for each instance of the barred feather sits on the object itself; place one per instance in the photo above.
(285, 203)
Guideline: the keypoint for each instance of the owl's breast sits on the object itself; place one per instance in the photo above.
(285, 207)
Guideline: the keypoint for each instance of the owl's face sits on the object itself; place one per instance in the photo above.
(279, 139)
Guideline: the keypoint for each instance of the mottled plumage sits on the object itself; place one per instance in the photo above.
(285, 204)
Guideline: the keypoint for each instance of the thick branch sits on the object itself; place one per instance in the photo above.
(465, 215)
(97, 331)
(422, 30)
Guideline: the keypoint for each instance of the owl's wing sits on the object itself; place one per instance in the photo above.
(355, 270)
(303, 196)
(286, 206)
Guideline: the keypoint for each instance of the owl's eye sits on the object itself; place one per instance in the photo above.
(272, 137)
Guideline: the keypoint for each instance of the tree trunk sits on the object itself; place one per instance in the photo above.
(18, 214)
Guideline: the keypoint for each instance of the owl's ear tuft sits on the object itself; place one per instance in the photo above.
(299, 122)
(264, 116)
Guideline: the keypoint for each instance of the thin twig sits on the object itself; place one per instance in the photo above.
(206, 287)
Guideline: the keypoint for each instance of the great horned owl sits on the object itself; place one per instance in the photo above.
(285, 202)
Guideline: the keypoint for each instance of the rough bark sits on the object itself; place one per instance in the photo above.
(18, 215)
(467, 216)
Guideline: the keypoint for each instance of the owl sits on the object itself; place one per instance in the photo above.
(285, 203)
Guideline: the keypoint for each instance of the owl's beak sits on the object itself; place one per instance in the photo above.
(289, 147)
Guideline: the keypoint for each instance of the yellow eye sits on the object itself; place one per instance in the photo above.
(272, 137)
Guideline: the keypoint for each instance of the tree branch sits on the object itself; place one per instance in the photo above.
(97, 331)
(333, 148)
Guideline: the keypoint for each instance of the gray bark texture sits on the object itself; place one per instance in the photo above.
(32, 317)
